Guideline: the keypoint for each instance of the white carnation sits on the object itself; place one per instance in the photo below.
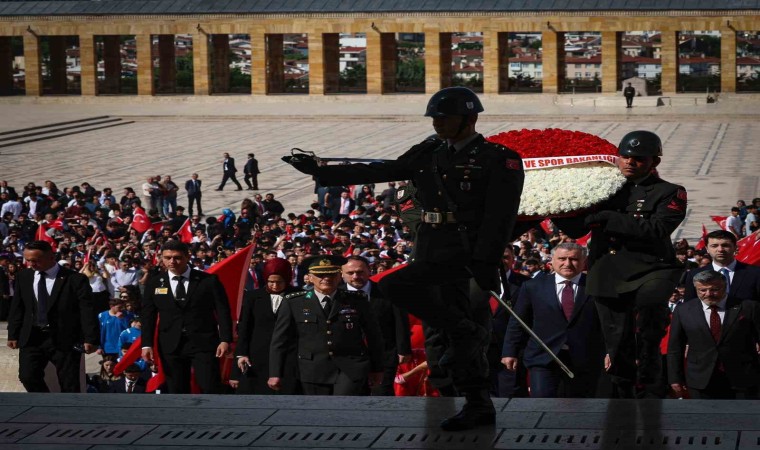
(566, 189)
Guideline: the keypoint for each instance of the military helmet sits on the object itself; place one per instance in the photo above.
(453, 101)
(640, 143)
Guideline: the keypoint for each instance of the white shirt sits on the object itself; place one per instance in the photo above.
(721, 310)
(559, 285)
(344, 206)
(276, 302)
(731, 269)
(321, 297)
(12, 206)
(173, 283)
(50, 275)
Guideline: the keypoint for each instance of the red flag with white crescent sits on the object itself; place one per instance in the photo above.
(140, 221)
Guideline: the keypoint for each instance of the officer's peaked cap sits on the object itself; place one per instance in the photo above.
(325, 264)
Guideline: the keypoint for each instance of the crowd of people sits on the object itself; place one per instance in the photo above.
(600, 307)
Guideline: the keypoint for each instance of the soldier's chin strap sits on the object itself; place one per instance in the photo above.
(463, 124)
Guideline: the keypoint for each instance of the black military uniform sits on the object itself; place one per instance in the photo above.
(629, 92)
(470, 193)
(333, 356)
(633, 268)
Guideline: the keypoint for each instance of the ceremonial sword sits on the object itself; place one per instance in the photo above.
(532, 334)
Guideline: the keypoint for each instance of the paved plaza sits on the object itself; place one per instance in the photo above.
(710, 149)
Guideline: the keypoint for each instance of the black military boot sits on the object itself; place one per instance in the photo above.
(466, 342)
(477, 411)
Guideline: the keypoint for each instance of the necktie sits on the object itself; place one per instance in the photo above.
(180, 295)
(42, 300)
(567, 299)
(714, 323)
(130, 387)
(328, 305)
(727, 276)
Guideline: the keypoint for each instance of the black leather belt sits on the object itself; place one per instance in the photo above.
(43, 328)
(437, 217)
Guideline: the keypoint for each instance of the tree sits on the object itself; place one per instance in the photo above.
(410, 72)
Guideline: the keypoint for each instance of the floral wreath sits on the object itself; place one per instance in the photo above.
(566, 172)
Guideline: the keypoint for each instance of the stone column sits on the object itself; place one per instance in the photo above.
(612, 58)
(389, 58)
(111, 64)
(275, 59)
(57, 65)
(201, 73)
(491, 62)
(330, 62)
(434, 42)
(669, 62)
(727, 60)
(167, 64)
(144, 64)
(315, 46)
(32, 65)
(374, 63)
(258, 62)
(553, 61)
(6, 65)
(503, 62)
(221, 65)
(445, 69)
(88, 62)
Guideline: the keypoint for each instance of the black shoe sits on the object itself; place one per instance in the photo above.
(467, 420)
(239, 189)
(250, 188)
(466, 342)
(218, 189)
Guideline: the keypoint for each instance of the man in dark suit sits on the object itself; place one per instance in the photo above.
(195, 322)
(255, 327)
(338, 339)
(721, 362)
(229, 170)
(505, 383)
(560, 312)
(193, 188)
(254, 279)
(629, 92)
(51, 320)
(130, 383)
(251, 171)
(633, 266)
(342, 206)
(743, 279)
(5, 188)
(394, 322)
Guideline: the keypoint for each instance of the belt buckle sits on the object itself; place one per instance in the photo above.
(434, 217)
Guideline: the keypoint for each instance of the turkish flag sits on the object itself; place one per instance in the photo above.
(721, 221)
(547, 226)
(583, 240)
(349, 251)
(140, 221)
(381, 275)
(57, 224)
(231, 272)
(749, 250)
(702, 242)
(185, 233)
(43, 236)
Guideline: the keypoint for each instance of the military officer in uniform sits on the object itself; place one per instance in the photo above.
(633, 267)
(469, 190)
(330, 327)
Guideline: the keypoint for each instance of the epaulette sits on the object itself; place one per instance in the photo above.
(296, 294)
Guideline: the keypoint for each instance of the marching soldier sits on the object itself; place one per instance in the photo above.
(469, 190)
(330, 327)
(633, 267)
